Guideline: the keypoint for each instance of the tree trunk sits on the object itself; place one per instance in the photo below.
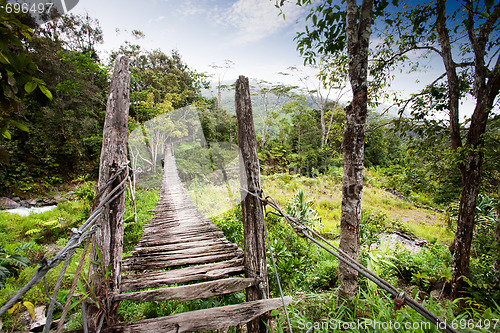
(486, 88)
(358, 37)
(497, 231)
(106, 277)
(471, 179)
(253, 218)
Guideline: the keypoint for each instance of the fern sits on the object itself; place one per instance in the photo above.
(11, 260)
(300, 208)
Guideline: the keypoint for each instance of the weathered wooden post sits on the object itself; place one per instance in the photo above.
(253, 218)
(108, 239)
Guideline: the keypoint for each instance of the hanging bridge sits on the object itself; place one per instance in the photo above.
(184, 257)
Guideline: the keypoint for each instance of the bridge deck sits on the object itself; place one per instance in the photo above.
(180, 246)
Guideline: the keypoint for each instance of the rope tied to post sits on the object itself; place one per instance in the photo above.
(78, 236)
(305, 231)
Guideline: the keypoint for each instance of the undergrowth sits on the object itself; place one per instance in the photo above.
(308, 273)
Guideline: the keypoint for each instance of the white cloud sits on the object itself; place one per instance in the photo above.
(158, 19)
(257, 19)
(192, 8)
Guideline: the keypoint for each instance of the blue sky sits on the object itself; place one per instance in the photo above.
(248, 32)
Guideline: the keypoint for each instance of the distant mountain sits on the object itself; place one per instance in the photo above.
(227, 102)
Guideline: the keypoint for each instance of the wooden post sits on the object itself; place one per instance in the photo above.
(106, 277)
(253, 218)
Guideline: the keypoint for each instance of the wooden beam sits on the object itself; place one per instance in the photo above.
(159, 263)
(206, 272)
(190, 292)
(253, 217)
(202, 320)
(196, 249)
(108, 237)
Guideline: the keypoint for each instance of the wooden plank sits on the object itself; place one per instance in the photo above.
(159, 264)
(180, 246)
(191, 253)
(185, 230)
(145, 283)
(182, 239)
(189, 292)
(162, 251)
(177, 229)
(212, 271)
(203, 320)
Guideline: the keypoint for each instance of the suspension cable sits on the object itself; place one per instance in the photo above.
(277, 278)
(313, 236)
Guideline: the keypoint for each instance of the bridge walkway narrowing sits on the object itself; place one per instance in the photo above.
(181, 247)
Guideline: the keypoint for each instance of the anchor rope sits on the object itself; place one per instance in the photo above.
(304, 231)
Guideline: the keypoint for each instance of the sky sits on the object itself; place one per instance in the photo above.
(250, 33)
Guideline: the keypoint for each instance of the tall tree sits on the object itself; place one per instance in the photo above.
(272, 97)
(330, 83)
(331, 28)
(467, 30)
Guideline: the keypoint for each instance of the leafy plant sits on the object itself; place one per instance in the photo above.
(15, 311)
(11, 260)
(300, 208)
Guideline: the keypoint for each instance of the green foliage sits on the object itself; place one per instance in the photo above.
(12, 259)
(483, 283)
(231, 223)
(302, 209)
(86, 191)
(483, 241)
(146, 201)
(424, 268)
(18, 72)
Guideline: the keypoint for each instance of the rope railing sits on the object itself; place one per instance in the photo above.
(309, 233)
(77, 237)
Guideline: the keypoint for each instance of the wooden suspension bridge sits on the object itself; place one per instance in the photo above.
(181, 255)
(181, 240)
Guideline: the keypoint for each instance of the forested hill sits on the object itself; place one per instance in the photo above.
(53, 142)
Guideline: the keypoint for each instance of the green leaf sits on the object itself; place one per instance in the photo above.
(30, 86)
(31, 309)
(45, 91)
(4, 59)
(14, 308)
(7, 135)
(275, 312)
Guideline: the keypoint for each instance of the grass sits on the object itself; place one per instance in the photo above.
(326, 193)
(310, 274)
(48, 232)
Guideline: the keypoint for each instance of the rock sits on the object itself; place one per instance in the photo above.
(437, 289)
(33, 203)
(40, 318)
(47, 202)
(420, 242)
(6, 203)
(435, 294)
(16, 199)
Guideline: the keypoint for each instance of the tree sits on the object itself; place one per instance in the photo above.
(332, 78)
(332, 32)
(220, 72)
(18, 73)
(468, 30)
(65, 134)
(75, 33)
(272, 96)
